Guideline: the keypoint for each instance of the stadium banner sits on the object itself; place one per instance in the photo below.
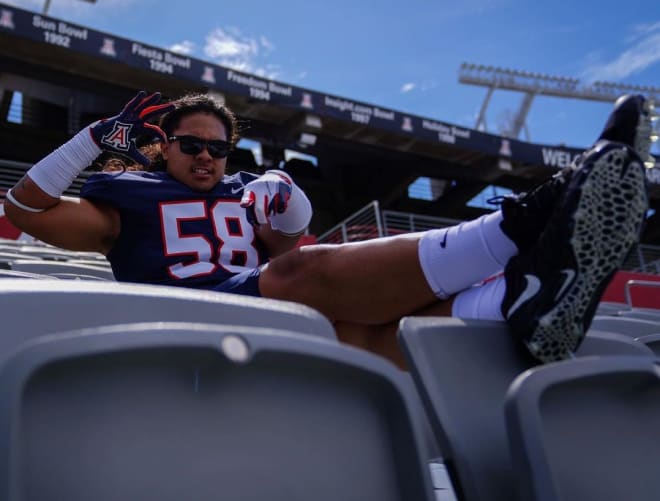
(48, 30)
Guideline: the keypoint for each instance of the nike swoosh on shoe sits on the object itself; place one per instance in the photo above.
(532, 288)
(570, 275)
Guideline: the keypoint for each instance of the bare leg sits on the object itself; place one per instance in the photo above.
(382, 339)
(373, 282)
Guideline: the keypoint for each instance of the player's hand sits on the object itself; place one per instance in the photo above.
(266, 196)
(119, 133)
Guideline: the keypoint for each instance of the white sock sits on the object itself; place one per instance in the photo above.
(483, 301)
(458, 257)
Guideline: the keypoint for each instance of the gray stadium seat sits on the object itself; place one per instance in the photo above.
(610, 308)
(611, 343)
(628, 311)
(46, 252)
(650, 314)
(30, 308)
(172, 411)
(54, 267)
(587, 429)
(75, 276)
(8, 256)
(633, 327)
(463, 369)
(652, 341)
(22, 274)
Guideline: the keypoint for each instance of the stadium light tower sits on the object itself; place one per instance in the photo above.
(47, 5)
(536, 84)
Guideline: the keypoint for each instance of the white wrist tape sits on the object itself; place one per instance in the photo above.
(297, 215)
(56, 172)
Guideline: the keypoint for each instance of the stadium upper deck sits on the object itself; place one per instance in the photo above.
(70, 75)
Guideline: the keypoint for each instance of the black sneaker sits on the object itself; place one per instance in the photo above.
(524, 216)
(553, 289)
(631, 123)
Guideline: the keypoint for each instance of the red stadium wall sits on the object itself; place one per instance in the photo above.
(8, 230)
(642, 297)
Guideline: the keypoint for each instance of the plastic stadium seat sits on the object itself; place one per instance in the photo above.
(587, 429)
(610, 308)
(75, 276)
(650, 314)
(633, 327)
(30, 308)
(55, 267)
(9, 254)
(652, 341)
(170, 411)
(22, 274)
(611, 343)
(463, 369)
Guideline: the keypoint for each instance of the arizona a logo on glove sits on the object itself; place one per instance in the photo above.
(119, 137)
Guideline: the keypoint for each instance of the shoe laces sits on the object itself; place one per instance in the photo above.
(544, 191)
(499, 200)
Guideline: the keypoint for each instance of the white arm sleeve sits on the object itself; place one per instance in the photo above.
(56, 172)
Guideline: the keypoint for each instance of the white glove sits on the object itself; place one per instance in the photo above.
(274, 198)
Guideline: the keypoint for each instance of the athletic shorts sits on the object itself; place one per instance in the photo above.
(245, 283)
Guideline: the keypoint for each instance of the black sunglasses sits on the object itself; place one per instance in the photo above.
(193, 145)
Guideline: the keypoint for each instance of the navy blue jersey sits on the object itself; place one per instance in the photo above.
(173, 235)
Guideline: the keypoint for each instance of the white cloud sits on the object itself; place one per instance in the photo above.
(186, 47)
(407, 87)
(229, 47)
(266, 44)
(642, 29)
(226, 46)
(644, 52)
(223, 44)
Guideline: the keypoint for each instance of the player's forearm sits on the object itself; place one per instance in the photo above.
(40, 189)
(276, 242)
(25, 192)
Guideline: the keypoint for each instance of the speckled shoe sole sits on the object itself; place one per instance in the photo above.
(606, 223)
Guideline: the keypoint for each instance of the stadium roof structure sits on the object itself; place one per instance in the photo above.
(70, 75)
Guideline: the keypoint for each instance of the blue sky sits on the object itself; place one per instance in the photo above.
(405, 55)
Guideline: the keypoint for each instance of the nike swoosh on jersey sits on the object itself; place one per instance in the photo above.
(236, 190)
(443, 244)
(570, 274)
(532, 288)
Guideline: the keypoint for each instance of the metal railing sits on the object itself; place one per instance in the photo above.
(643, 258)
(405, 222)
(640, 283)
(364, 224)
(370, 222)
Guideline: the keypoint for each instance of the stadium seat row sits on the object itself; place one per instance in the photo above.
(123, 391)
